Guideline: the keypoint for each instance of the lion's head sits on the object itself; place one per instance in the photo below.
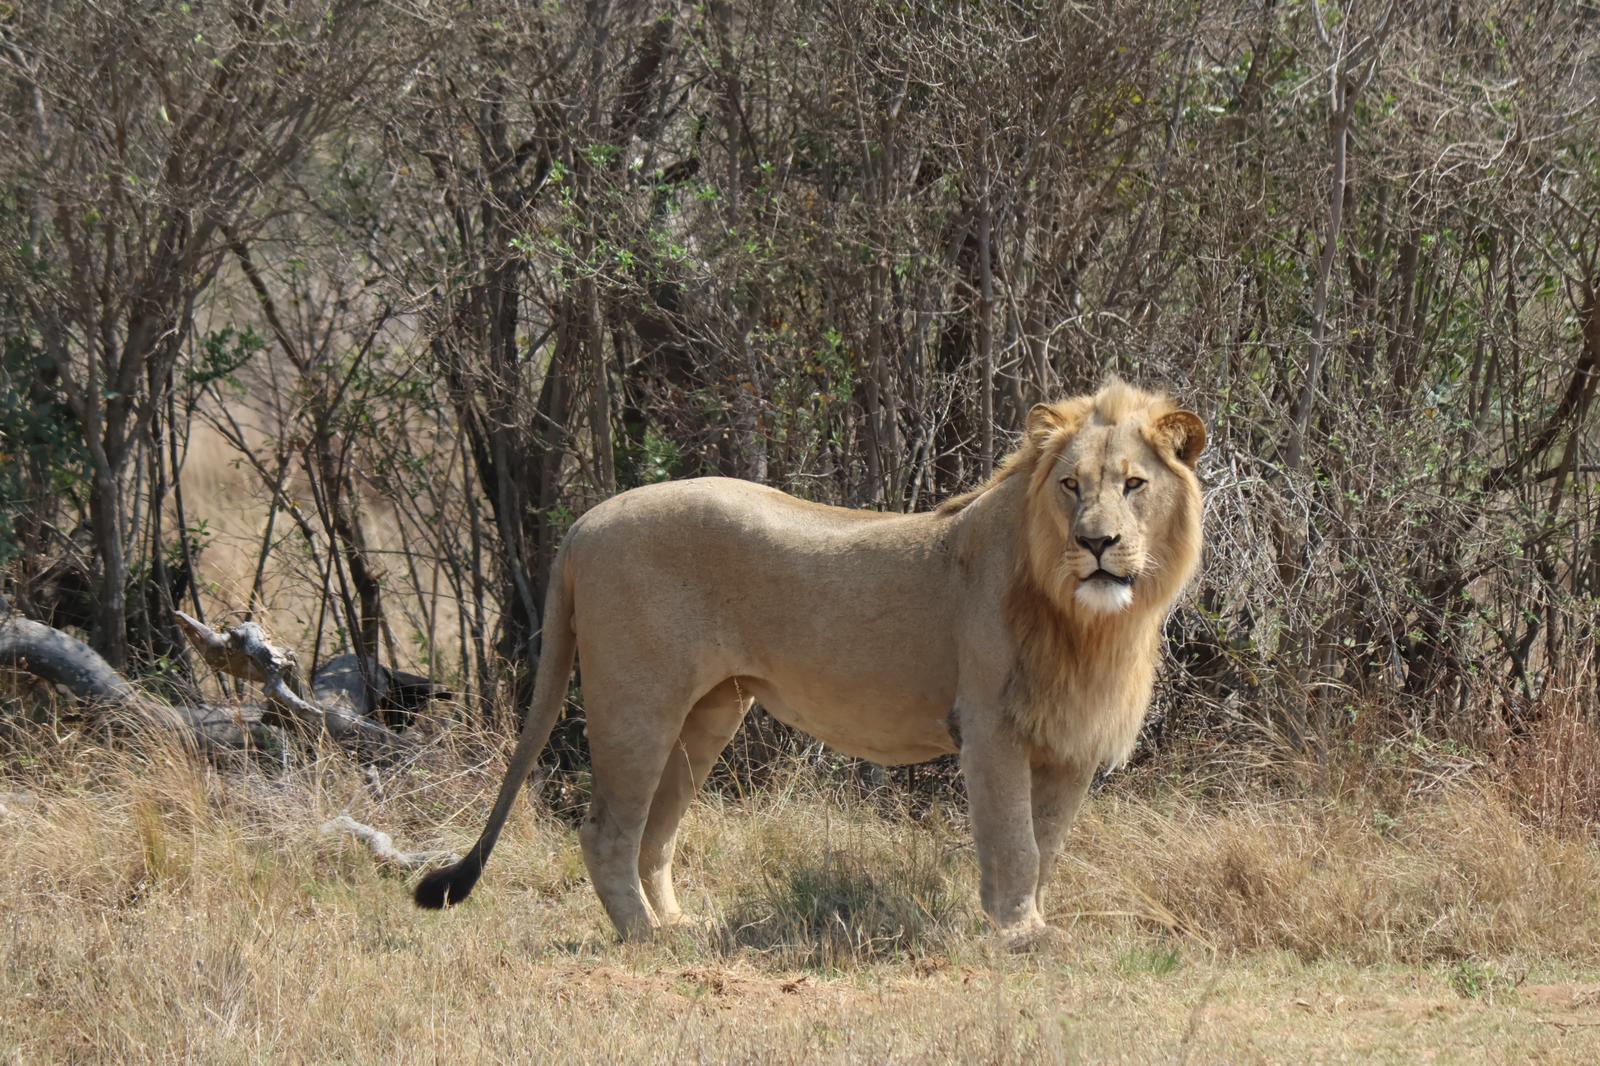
(1114, 502)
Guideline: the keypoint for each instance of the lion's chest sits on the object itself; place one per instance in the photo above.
(1088, 717)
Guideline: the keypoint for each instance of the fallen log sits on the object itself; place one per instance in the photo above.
(372, 690)
(52, 656)
(244, 652)
(64, 661)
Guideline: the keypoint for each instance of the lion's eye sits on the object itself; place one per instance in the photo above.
(1133, 484)
(1070, 484)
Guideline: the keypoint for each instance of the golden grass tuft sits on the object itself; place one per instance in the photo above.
(1445, 877)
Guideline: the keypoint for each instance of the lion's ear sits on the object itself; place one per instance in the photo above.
(1186, 433)
(1046, 419)
(1042, 419)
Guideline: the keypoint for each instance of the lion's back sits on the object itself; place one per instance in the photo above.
(736, 557)
(702, 514)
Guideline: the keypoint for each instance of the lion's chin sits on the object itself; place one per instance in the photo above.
(1104, 597)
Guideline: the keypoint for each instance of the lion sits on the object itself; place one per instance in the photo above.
(1016, 625)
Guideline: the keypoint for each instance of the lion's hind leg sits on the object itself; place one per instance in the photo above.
(706, 732)
(631, 737)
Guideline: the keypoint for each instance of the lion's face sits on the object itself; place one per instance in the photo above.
(1125, 505)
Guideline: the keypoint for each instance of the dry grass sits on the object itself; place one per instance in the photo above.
(157, 911)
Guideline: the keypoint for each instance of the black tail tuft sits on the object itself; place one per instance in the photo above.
(449, 885)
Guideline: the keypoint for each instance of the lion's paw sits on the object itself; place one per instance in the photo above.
(1028, 938)
(688, 923)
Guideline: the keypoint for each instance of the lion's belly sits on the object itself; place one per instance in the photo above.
(893, 729)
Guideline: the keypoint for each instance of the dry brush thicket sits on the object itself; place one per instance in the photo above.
(334, 316)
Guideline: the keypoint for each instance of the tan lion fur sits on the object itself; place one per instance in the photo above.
(1017, 624)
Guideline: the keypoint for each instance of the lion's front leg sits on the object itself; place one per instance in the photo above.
(1059, 790)
(995, 765)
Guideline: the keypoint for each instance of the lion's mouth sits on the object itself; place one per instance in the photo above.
(1102, 574)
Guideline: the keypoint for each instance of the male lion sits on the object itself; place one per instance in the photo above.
(1016, 625)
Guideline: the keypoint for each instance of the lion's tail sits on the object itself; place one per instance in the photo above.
(453, 883)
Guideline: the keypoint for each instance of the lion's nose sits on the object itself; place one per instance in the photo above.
(1098, 545)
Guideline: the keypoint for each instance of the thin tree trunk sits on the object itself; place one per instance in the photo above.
(605, 462)
(986, 330)
(111, 616)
